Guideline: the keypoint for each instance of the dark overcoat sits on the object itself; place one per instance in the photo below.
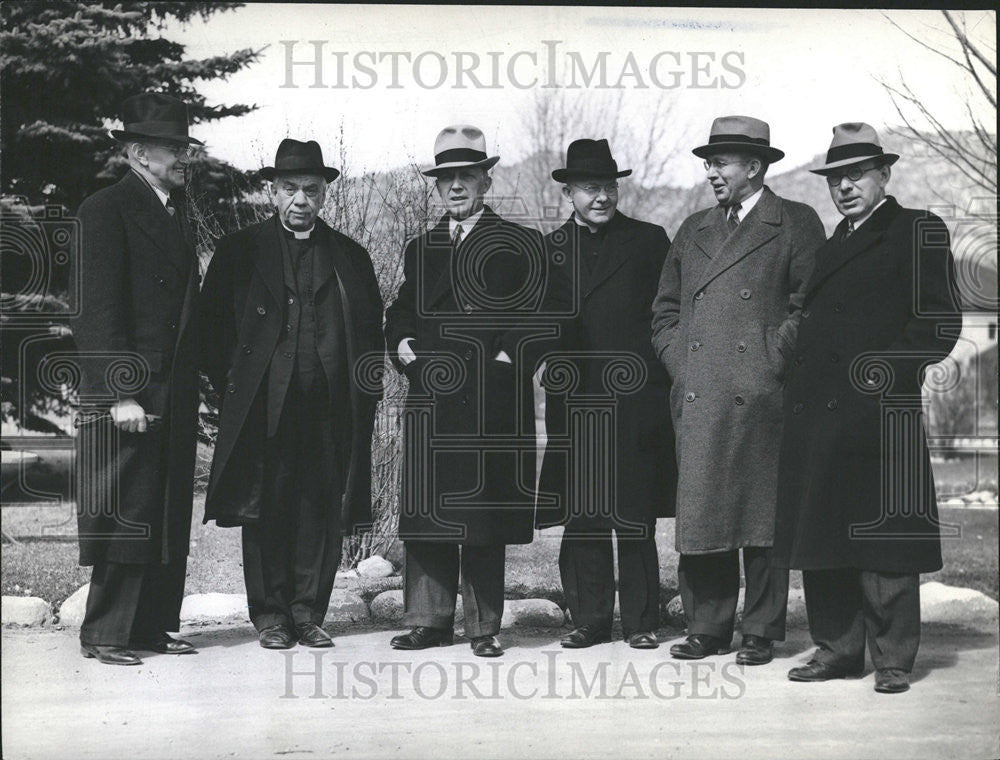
(724, 324)
(468, 426)
(607, 318)
(136, 334)
(856, 487)
(242, 306)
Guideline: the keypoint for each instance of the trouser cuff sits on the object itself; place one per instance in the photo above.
(482, 628)
(773, 632)
(415, 619)
(709, 629)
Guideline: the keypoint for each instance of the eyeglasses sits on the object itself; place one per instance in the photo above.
(592, 189)
(853, 174)
(178, 151)
(714, 163)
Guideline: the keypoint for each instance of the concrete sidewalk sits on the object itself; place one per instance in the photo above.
(362, 699)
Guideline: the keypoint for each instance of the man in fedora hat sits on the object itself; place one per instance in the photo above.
(290, 308)
(724, 323)
(457, 330)
(136, 448)
(877, 311)
(603, 270)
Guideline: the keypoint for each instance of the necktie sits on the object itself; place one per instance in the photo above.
(734, 219)
(170, 208)
(850, 229)
(456, 239)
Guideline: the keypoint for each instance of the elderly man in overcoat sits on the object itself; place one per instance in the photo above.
(136, 335)
(856, 503)
(724, 324)
(292, 315)
(602, 275)
(458, 331)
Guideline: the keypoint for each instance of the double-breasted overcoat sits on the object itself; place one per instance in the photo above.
(724, 324)
(856, 488)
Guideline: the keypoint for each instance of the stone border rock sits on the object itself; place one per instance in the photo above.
(939, 605)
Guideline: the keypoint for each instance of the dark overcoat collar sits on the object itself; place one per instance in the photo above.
(146, 210)
(836, 252)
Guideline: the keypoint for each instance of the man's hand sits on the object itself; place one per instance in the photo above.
(129, 416)
(502, 357)
(406, 354)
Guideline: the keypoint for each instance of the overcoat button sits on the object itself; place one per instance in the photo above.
(806, 313)
(699, 295)
(838, 307)
(468, 355)
(834, 357)
(231, 388)
(739, 401)
(695, 346)
(745, 294)
(291, 301)
(261, 310)
(468, 309)
(288, 354)
(741, 347)
(797, 409)
(831, 404)
(247, 349)
(689, 396)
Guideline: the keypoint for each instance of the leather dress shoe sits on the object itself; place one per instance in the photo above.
(643, 640)
(819, 671)
(756, 650)
(697, 646)
(892, 681)
(164, 644)
(278, 636)
(109, 655)
(486, 646)
(585, 636)
(311, 635)
(423, 637)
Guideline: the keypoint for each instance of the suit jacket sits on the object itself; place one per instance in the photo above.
(856, 487)
(604, 320)
(242, 305)
(724, 324)
(136, 337)
(468, 426)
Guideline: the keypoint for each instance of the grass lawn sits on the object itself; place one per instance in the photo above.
(49, 570)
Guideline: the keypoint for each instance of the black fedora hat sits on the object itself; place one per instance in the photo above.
(295, 157)
(154, 115)
(742, 134)
(589, 158)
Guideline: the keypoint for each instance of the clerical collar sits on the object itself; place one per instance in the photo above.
(164, 197)
(866, 217)
(601, 228)
(299, 234)
(466, 224)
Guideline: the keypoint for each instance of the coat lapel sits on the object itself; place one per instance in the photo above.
(434, 265)
(712, 232)
(324, 266)
(267, 257)
(837, 252)
(150, 216)
(614, 252)
(760, 227)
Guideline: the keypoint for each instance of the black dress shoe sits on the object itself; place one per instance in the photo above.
(164, 644)
(486, 646)
(109, 655)
(643, 640)
(756, 650)
(423, 637)
(697, 646)
(892, 681)
(585, 636)
(278, 636)
(311, 635)
(819, 671)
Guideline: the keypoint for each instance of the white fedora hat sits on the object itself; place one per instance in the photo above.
(460, 145)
